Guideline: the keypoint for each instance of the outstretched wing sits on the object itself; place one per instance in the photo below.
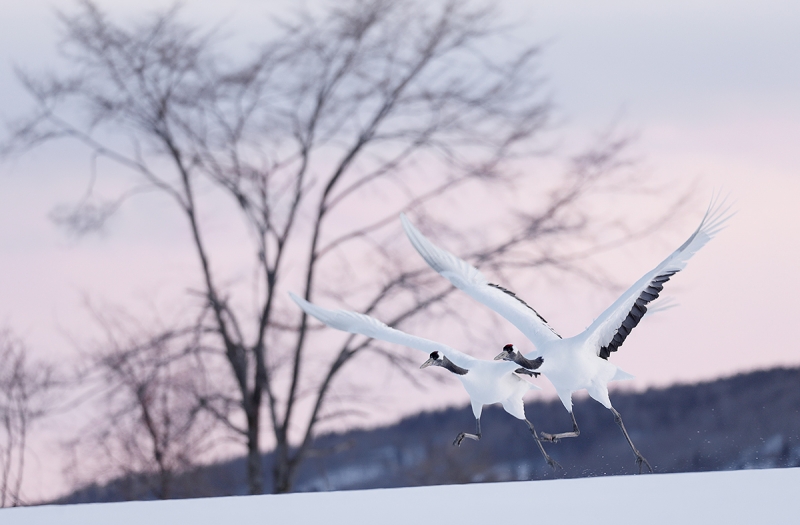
(607, 333)
(469, 279)
(356, 323)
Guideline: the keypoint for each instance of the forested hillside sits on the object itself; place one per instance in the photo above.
(746, 421)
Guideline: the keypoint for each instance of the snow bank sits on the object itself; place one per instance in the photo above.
(747, 496)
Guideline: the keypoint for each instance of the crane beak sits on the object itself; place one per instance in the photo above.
(502, 355)
(428, 363)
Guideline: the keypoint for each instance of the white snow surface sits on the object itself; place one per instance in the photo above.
(767, 496)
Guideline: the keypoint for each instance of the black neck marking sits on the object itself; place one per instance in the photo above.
(638, 310)
(512, 294)
(449, 365)
(527, 363)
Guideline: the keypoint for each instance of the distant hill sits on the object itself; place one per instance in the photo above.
(747, 421)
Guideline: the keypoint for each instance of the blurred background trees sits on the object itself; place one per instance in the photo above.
(312, 143)
(26, 389)
(151, 424)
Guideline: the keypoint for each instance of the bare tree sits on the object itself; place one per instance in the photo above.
(341, 120)
(150, 426)
(24, 398)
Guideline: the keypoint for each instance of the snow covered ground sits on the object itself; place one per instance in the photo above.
(748, 496)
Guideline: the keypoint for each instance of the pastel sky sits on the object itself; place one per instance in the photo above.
(711, 89)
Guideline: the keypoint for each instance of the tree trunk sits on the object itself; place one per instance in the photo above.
(282, 470)
(254, 476)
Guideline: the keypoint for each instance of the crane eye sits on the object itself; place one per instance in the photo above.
(434, 355)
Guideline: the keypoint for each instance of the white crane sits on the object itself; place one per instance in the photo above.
(579, 362)
(486, 382)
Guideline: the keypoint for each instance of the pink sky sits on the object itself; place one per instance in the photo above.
(711, 88)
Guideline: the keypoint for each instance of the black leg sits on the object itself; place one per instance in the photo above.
(550, 461)
(639, 458)
(527, 372)
(553, 438)
(476, 436)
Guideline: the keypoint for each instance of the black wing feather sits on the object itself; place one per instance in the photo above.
(638, 310)
(512, 294)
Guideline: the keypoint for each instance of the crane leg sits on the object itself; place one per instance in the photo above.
(476, 436)
(639, 458)
(550, 461)
(553, 438)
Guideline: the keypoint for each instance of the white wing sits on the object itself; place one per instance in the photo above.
(469, 279)
(356, 323)
(608, 332)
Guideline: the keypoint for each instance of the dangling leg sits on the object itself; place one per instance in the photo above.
(566, 399)
(639, 458)
(553, 438)
(476, 436)
(550, 461)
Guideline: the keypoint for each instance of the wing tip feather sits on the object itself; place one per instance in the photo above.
(719, 212)
(423, 246)
(441, 260)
